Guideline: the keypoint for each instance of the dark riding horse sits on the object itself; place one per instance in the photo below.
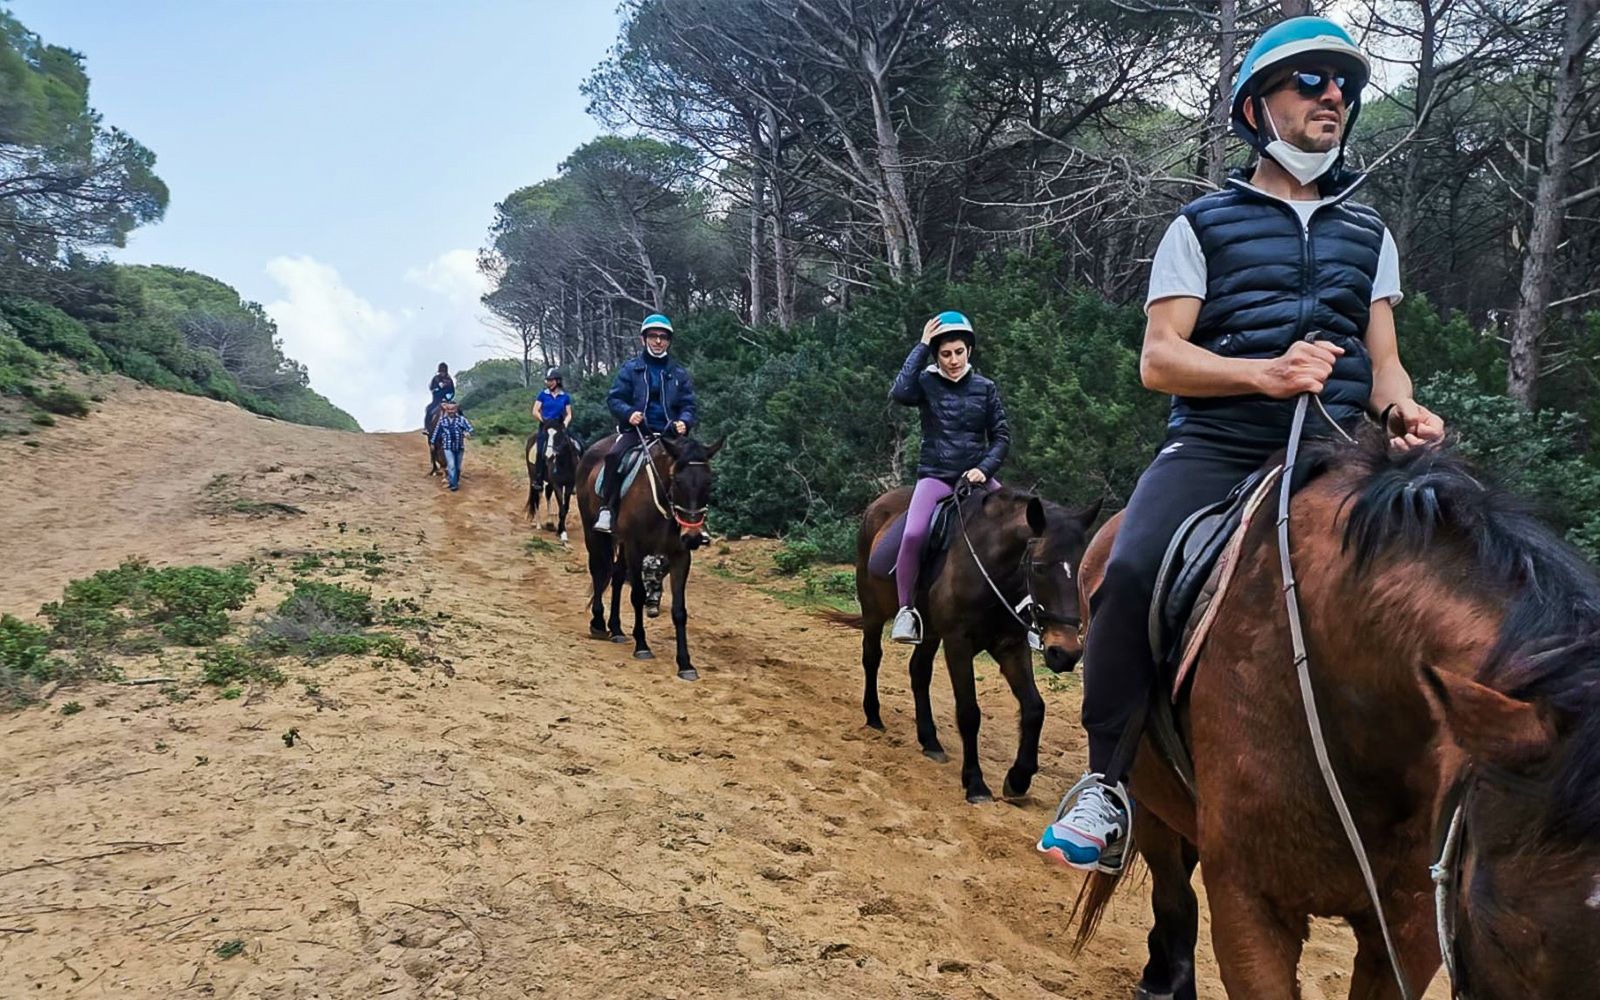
(1029, 547)
(660, 520)
(560, 469)
(436, 464)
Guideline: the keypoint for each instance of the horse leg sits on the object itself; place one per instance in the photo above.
(871, 657)
(550, 495)
(1257, 944)
(921, 680)
(600, 548)
(1415, 938)
(619, 573)
(680, 616)
(641, 648)
(958, 660)
(1169, 974)
(566, 504)
(1016, 664)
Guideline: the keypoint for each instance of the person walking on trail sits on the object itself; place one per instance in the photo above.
(1276, 285)
(553, 404)
(442, 387)
(964, 438)
(450, 434)
(651, 395)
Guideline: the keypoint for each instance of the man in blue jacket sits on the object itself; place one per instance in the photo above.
(1240, 280)
(652, 394)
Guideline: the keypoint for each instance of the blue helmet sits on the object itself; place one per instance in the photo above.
(952, 325)
(655, 321)
(1313, 38)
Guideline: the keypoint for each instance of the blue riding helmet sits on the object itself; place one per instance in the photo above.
(1299, 40)
(952, 325)
(655, 321)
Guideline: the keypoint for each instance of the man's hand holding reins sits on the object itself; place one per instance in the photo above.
(1304, 367)
(635, 418)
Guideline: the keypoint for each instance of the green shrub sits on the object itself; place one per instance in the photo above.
(192, 602)
(25, 650)
(795, 556)
(330, 602)
(834, 537)
(46, 328)
(189, 604)
(225, 665)
(42, 419)
(59, 399)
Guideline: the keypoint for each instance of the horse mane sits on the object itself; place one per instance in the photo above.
(1548, 647)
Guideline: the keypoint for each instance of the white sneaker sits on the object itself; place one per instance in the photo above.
(907, 627)
(1093, 834)
(602, 520)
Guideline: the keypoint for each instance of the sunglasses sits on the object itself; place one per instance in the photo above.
(1313, 83)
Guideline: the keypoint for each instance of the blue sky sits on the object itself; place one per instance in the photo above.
(338, 161)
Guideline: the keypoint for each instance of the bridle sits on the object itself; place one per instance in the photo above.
(1038, 616)
(688, 518)
(1451, 837)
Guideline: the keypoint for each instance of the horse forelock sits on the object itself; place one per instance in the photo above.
(1547, 649)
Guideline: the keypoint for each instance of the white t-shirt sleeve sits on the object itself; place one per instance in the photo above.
(1386, 283)
(1179, 267)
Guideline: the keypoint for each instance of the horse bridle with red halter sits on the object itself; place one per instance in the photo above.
(688, 518)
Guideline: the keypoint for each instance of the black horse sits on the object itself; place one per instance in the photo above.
(656, 527)
(560, 472)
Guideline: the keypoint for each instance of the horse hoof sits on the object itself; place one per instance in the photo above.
(598, 633)
(619, 639)
(876, 724)
(1015, 789)
(1143, 994)
(652, 611)
(643, 654)
(982, 798)
(689, 675)
(937, 756)
(563, 538)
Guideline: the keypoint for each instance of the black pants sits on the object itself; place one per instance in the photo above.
(1188, 473)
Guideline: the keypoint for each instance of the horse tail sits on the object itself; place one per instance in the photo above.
(1094, 896)
(531, 508)
(844, 619)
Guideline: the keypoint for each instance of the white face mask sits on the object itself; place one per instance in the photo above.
(1302, 166)
(654, 353)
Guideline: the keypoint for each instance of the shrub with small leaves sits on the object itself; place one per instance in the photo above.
(226, 665)
(795, 556)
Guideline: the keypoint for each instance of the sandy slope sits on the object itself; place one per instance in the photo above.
(533, 814)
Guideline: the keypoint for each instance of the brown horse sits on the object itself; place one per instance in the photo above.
(1453, 642)
(662, 517)
(436, 464)
(561, 471)
(1029, 547)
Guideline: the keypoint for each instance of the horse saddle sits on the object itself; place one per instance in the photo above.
(628, 468)
(1187, 582)
(940, 532)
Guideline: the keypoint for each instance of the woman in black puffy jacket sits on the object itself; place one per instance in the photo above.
(964, 436)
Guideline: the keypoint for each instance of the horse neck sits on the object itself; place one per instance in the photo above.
(998, 535)
(1369, 629)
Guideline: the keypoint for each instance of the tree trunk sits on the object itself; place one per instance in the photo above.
(1295, 8)
(1537, 263)
(782, 264)
(1222, 106)
(758, 208)
(899, 225)
(1427, 73)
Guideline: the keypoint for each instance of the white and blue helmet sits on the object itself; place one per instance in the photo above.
(1298, 39)
(952, 324)
(655, 321)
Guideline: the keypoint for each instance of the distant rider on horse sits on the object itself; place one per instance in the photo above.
(964, 437)
(442, 388)
(652, 394)
(1274, 286)
(553, 404)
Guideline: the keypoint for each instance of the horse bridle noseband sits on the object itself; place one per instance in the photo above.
(688, 518)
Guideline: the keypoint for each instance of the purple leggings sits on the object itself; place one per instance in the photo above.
(919, 519)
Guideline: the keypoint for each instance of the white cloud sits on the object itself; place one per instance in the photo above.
(375, 361)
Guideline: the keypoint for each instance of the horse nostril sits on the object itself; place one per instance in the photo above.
(1060, 660)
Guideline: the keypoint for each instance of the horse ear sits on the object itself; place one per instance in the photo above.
(711, 452)
(673, 447)
(1037, 522)
(1486, 724)
(1085, 516)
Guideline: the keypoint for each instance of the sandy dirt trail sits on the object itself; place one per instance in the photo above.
(532, 813)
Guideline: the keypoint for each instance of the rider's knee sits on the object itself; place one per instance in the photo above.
(1126, 579)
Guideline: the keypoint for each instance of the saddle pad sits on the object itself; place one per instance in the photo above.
(629, 469)
(1204, 613)
(887, 550)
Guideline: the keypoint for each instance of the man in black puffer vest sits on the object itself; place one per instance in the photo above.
(1240, 280)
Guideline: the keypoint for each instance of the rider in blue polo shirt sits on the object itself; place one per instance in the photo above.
(553, 404)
